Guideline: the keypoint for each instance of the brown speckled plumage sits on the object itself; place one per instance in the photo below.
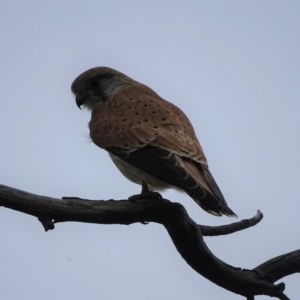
(150, 140)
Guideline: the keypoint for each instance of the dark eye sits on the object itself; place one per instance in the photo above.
(93, 82)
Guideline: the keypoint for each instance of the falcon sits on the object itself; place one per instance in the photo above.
(150, 140)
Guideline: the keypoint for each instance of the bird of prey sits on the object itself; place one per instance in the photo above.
(150, 140)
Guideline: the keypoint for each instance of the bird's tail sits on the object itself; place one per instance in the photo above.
(212, 205)
(207, 193)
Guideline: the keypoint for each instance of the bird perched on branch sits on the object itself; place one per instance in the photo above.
(151, 141)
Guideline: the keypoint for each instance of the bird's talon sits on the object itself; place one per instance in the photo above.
(148, 195)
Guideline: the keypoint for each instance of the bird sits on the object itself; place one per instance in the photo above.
(149, 139)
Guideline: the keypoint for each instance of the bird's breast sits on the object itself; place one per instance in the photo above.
(138, 176)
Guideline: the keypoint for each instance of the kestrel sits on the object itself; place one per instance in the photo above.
(150, 140)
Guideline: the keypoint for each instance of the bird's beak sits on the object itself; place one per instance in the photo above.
(79, 101)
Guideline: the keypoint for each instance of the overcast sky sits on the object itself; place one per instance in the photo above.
(232, 66)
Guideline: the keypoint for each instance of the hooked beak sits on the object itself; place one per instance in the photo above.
(79, 102)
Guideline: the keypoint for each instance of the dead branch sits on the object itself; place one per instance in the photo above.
(186, 235)
(231, 228)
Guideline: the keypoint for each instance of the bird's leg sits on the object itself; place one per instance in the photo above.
(146, 193)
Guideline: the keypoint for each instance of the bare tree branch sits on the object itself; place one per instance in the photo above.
(184, 232)
(280, 266)
(231, 228)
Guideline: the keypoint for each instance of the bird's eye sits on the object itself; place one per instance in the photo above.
(93, 82)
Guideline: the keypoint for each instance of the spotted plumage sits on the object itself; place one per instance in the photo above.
(150, 140)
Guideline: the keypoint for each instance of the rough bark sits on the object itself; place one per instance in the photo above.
(186, 235)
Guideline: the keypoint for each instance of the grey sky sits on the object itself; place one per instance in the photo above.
(232, 66)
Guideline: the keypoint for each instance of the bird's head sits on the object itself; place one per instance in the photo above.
(96, 85)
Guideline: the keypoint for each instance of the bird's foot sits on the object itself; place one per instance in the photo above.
(148, 195)
(145, 194)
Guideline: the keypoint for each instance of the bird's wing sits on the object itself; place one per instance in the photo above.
(158, 138)
(181, 172)
(139, 117)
